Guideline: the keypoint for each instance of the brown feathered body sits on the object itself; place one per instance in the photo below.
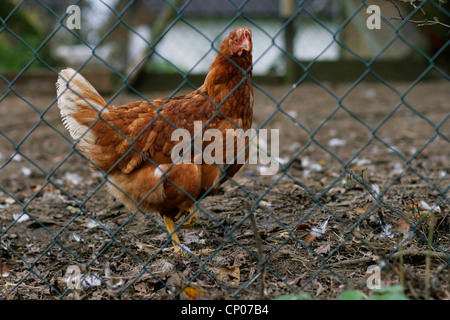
(133, 143)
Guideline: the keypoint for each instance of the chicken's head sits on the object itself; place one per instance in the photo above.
(238, 44)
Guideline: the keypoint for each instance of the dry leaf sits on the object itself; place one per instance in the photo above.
(231, 275)
(421, 208)
(323, 249)
(141, 287)
(4, 270)
(35, 187)
(362, 210)
(190, 237)
(205, 251)
(302, 226)
(418, 209)
(192, 292)
(424, 206)
(320, 287)
(403, 226)
(310, 237)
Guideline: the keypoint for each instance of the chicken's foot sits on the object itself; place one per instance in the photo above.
(192, 217)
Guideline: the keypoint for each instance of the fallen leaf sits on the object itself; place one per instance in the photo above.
(362, 210)
(231, 275)
(191, 237)
(35, 187)
(142, 287)
(320, 287)
(4, 270)
(323, 249)
(418, 209)
(403, 226)
(205, 251)
(302, 226)
(193, 293)
(338, 190)
(424, 206)
(310, 237)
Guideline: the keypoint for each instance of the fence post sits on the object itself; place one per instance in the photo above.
(287, 9)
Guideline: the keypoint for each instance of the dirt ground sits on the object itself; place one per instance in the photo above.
(398, 144)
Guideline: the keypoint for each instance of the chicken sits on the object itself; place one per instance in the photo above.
(133, 143)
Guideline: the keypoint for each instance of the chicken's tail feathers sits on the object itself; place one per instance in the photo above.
(78, 102)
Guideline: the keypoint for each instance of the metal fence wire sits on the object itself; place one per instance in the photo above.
(356, 91)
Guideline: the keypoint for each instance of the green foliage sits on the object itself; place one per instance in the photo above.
(15, 54)
(20, 38)
(301, 296)
(390, 293)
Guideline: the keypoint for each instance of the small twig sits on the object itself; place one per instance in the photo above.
(428, 261)
(414, 252)
(411, 2)
(362, 182)
(351, 262)
(419, 23)
(403, 253)
(248, 208)
(397, 8)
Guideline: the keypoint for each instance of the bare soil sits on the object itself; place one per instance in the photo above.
(333, 140)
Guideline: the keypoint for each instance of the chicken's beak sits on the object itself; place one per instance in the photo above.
(245, 45)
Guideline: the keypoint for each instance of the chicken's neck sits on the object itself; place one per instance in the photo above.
(229, 86)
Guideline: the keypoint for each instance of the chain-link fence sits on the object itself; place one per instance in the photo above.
(356, 91)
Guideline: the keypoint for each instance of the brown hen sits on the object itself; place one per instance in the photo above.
(133, 143)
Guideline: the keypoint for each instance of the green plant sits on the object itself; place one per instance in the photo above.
(390, 293)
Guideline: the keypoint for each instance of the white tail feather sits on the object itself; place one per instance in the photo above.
(74, 94)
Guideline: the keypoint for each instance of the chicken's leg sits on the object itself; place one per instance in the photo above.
(170, 226)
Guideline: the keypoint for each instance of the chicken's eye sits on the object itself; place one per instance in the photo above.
(235, 40)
